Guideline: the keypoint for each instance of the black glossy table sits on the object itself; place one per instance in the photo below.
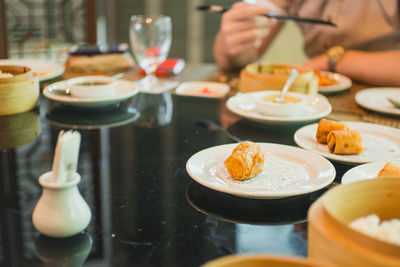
(146, 210)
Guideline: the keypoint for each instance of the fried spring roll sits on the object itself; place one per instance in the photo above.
(325, 127)
(389, 170)
(345, 142)
(245, 162)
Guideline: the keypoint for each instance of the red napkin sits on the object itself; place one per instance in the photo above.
(171, 66)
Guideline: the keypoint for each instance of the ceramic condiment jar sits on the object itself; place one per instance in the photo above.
(61, 210)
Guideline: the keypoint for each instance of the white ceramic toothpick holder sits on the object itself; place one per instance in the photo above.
(61, 210)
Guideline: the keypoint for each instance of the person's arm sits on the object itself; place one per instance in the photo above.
(378, 68)
(244, 35)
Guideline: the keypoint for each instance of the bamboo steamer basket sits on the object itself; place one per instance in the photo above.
(19, 129)
(260, 77)
(331, 239)
(259, 260)
(19, 93)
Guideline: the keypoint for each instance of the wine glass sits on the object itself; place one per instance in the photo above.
(150, 38)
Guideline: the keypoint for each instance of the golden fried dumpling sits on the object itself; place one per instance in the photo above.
(325, 127)
(389, 170)
(245, 162)
(345, 142)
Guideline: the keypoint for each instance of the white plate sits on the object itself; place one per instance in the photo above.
(288, 171)
(375, 99)
(45, 70)
(203, 89)
(122, 90)
(379, 143)
(365, 171)
(315, 108)
(341, 82)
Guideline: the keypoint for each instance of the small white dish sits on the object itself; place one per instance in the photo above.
(44, 69)
(341, 82)
(365, 171)
(315, 108)
(291, 105)
(203, 89)
(379, 143)
(92, 86)
(123, 90)
(288, 171)
(375, 99)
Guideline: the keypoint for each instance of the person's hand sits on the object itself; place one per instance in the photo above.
(317, 63)
(243, 28)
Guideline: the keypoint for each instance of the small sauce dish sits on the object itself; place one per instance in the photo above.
(91, 86)
(267, 104)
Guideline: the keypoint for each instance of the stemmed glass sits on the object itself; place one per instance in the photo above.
(150, 38)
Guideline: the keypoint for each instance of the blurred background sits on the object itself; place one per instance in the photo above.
(45, 28)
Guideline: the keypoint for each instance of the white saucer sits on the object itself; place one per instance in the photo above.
(365, 171)
(123, 90)
(203, 89)
(379, 143)
(375, 99)
(315, 108)
(44, 69)
(288, 171)
(341, 83)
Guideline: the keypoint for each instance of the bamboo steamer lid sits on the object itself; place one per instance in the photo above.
(19, 129)
(19, 93)
(260, 260)
(263, 76)
(332, 240)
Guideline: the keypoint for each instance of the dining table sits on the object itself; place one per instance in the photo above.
(146, 208)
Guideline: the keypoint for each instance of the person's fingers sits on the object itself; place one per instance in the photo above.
(243, 11)
(237, 43)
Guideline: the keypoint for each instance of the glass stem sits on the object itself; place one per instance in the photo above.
(149, 81)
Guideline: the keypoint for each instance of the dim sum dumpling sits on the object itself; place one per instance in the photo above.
(245, 162)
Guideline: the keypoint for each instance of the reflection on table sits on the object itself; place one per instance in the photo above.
(146, 209)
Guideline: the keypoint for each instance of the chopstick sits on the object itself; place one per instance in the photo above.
(221, 9)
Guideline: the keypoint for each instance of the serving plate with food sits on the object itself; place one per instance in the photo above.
(260, 170)
(44, 69)
(372, 170)
(246, 106)
(350, 142)
(331, 82)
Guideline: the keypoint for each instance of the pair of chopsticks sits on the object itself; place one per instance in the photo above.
(221, 9)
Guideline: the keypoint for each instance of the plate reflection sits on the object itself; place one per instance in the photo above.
(69, 117)
(155, 109)
(250, 211)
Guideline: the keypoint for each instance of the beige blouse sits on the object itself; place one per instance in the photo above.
(368, 25)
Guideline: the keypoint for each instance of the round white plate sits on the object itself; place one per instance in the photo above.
(315, 108)
(44, 69)
(375, 99)
(288, 171)
(365, 171)
(341, 83)
(203, 89)
(379, 143)
(122, 90)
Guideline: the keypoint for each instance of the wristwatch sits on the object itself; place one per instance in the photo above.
(334, 54)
